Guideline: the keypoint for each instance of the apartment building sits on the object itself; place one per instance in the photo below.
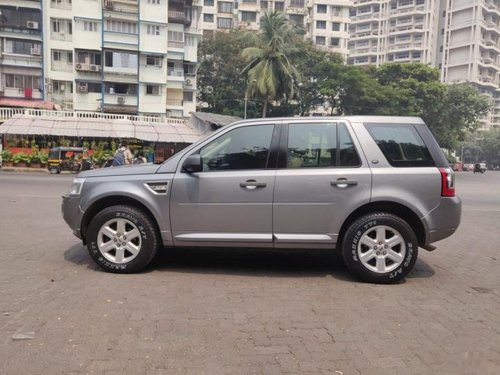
(471, 49)
(113, 56)
(21, 65)
(325, 21)
(394, 31)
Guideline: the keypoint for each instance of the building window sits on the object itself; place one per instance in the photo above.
(152, 90)
(153, 60)
(176, 39)
(90, 26)
(248, 16)
(22, 47)
(56, 55)
(153, 30)
(120, 60)
(19, 81)
(321, 25)
(154, 2)
(296, 19)
(208, 17)
(279, 6)
(263, 4)
(61, 87)
(297, 3)
(224, 23)
(335, 26)
(320, 40)
(208, 3)
(321, 8)
(88, 58)
(225, 7)
(188, 96)
(121, 27)
(335, 42)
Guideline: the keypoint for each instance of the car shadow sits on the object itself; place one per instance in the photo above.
(246, 262)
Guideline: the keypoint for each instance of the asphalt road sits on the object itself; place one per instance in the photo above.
(242, 312)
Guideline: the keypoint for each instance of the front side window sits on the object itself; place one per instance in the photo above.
(239, 149)
(401, 145)
(320, 146)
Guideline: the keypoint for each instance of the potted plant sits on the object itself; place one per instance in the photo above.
(21, 160)
(7, 158)
(34, 159)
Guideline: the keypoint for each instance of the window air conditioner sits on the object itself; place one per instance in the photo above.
(32, 25)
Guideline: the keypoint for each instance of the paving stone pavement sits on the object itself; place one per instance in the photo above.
(226, 311)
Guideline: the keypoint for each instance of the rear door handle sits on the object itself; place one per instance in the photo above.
(252, 184)
(343, 183)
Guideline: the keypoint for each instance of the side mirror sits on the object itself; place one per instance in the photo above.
(193, 164)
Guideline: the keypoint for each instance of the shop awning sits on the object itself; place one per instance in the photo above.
(26, 103)
(175, 131)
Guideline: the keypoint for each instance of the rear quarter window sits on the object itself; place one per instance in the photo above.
(401, 145)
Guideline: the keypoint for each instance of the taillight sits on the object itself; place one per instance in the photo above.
(447, 182)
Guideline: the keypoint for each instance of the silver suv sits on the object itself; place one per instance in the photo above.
(373, 188)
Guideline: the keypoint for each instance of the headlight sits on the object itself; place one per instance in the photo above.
(76, 186)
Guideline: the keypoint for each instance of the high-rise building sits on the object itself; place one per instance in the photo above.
(21, 65)
(324, 21)
(394, 31)
(471, 49)
(115, 56)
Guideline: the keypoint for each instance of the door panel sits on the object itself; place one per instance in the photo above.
(315, 195)
(226, 204)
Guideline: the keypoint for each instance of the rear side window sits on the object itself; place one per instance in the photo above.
(320, 145)
(401, 145)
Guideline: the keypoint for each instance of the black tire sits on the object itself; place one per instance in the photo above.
(54, 170)
(369, 254)
(107, 244)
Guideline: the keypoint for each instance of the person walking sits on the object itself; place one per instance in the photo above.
(123, 156)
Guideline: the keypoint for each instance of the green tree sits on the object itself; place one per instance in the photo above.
(490, 146)
(220, 83)
(459, 114)
(269, 71)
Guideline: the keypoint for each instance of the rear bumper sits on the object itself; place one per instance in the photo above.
(444, 220)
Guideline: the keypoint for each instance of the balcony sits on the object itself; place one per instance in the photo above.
(178, 16)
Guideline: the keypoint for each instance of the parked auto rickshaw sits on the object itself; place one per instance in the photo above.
(71, 159)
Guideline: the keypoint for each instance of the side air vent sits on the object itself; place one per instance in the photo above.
(158, 187)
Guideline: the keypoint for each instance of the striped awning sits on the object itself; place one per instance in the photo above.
(174, 132)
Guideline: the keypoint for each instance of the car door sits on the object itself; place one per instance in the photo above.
(321, 179)
(228, 203)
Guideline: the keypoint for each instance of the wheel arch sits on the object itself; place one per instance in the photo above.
(394, 208)
(109, 201)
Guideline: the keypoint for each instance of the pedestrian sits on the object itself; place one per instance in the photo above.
(140, 159)
(123, 156)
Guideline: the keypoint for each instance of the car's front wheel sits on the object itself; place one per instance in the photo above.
(122, 239)
(380, 248)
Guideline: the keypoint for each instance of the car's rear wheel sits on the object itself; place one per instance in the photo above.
(122, 239)
(380, 248)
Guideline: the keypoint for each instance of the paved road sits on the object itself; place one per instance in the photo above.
(237, 312)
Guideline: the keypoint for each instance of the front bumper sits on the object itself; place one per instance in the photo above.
(72, 214)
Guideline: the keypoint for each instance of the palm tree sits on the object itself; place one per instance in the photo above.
(269, 71)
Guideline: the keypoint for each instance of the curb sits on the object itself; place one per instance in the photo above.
(31, 170)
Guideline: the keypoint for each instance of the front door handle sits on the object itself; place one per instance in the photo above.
(343, 183)
(252, 184)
